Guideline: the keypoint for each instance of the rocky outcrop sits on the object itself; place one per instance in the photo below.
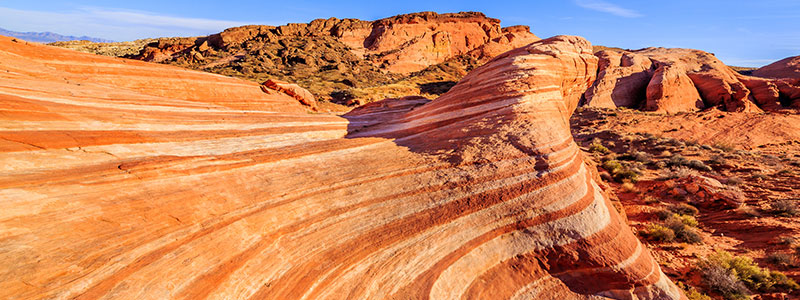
(705, 192)
(292, 90)
(124, 179)
(785, 68)
(335, 56)
(680, 80)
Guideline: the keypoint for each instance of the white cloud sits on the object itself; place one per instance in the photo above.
(606, 7)
(110, 23)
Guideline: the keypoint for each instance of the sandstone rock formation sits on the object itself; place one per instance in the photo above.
(678, 80)
(705, 192)
(123, 179)
(330, 55)
(292, 90)
(786, 68)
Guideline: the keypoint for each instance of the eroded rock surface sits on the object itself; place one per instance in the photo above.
(124, 179)
(681, 80)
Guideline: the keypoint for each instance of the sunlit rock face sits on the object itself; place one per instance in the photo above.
(399, 44)
(129, 180)
(683, 80)
(785, 68)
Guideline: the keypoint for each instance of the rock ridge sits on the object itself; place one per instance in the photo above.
(141, 180)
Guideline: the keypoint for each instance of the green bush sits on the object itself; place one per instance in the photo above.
(612, 166)
(598, 148)
(746, 272)
(688, 220)
(626, 174)
(683, 232)
(692, 293)
(684, 209)
(655, 232)
(620, 172)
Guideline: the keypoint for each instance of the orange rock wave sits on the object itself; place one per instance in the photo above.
(125, 179)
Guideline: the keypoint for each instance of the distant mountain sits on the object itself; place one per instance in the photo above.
(49, 37)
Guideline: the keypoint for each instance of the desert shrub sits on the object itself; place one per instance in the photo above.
(747, 272)
(650, 200)
(785, 208)
(721, 280)
(781, 259)
(655, 232)
(688, 220)
(691, 142)
(639, 156)
(733, 181)
(612, 166)
(684, 209)
(596, 147)
(677, 160)
(626, 174)
(665, 153)
(619, 171)
(664, 214)
(675, 143)
(698, 165)
(785, 172)
(716, 160)
(629, 187)
(680, 172)
(692, 293)
(683, 232)
(723, 146)
(659, 164)
(759, 176)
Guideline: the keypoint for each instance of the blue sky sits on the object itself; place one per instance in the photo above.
(745, 33)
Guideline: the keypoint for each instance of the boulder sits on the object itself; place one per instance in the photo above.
(293, 90)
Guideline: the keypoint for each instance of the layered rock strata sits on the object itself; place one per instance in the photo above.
(123, 179)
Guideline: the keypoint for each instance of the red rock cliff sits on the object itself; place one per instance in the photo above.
(399, 44)
(677, 80)
(123, 179)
